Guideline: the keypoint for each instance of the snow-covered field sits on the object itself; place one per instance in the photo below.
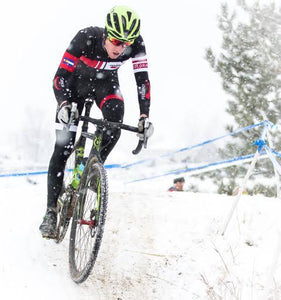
(157, 245)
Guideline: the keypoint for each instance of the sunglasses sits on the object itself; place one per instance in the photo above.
(116, 42)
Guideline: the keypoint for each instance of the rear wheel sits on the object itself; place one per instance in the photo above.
(65, 199)
(88, 221)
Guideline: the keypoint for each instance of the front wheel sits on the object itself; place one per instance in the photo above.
(88, 221)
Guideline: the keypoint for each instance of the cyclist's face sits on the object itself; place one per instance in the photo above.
(113, 51)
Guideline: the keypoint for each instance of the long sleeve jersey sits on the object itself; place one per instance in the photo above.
(85, 64)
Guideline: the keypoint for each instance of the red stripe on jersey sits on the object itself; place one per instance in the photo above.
(139, 60)
(69, 62)
(91, 62)
(99, 64)
(110, 97)
(140, 66)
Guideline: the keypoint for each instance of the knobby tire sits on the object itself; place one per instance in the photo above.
(88, 221)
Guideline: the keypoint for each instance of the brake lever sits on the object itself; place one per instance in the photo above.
(145, 138)
(142, 142)
(138, 148)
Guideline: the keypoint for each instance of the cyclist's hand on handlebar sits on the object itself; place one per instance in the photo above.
(64, 112)
(145, 128)
(141, 123)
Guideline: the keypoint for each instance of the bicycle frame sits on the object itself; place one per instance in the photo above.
(97, 139)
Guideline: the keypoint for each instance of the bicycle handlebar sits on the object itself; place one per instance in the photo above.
(109, 124)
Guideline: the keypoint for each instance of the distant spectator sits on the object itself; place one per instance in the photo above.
(178, 185)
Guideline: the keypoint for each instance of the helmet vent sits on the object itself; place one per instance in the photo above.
(129, 15)
(132, 26)
(124, 22)
(109, 20)
(116, 23)
(137, 28)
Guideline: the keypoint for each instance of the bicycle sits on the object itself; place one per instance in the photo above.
(84, 195)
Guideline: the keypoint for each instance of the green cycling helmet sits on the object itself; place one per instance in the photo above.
(123, 24)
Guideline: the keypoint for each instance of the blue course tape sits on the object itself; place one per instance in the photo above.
(185, 170)
(217, 138)
(196, 145)
(111, 166)
(45, 172)
(23, 174)
(276, 153)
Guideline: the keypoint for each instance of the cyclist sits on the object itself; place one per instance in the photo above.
(88, 69)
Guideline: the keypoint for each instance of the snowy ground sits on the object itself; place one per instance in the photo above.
(157, 245)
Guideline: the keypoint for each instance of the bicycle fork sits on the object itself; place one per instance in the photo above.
(91, 220)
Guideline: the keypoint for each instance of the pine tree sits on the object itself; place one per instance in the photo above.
(250, 67)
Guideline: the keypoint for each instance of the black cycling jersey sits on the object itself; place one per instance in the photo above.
(87, 71)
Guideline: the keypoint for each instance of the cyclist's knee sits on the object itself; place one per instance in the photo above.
(113, 110)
